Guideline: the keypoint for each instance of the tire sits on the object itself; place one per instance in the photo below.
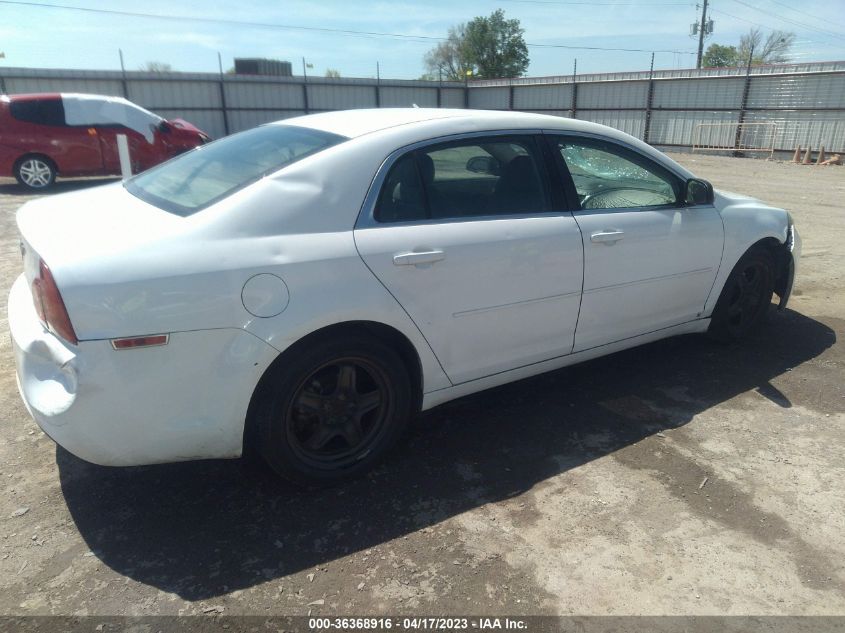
(332, 410)
(746, 298)
(34, 172)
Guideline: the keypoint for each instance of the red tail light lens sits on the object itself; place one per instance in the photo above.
(50, 305)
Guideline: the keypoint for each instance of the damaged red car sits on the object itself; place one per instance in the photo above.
(45, 136)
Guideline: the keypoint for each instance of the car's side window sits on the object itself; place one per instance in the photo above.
(402, 198)
(607, 176)
(498, 175)
(39, 111)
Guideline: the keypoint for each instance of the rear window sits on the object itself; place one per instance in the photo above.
(200, 178)
(40, 111)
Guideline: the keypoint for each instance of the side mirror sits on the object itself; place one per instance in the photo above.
(698, 191)
(483, 165)
(164, 127)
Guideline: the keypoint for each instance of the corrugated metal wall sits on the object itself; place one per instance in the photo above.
(806, 102)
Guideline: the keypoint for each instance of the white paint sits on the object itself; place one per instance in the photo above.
(123, 155)
(501, 304)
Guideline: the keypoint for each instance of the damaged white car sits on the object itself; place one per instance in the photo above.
(309, 285)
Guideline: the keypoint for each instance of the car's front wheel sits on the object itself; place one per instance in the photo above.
(35, 172)
(332, 410)
(746, 297)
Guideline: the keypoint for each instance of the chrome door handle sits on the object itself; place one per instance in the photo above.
(415, 259)
(607, 237)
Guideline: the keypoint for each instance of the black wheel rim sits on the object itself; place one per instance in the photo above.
(747, 297)
(339, 412)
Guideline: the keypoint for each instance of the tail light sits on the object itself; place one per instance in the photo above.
(49, 304)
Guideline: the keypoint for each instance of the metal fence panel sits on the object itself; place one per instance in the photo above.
(698, 93)
(174, 94)
(395, 97)
(610, 95)
(814, 91)
(629, 121)
(341, 97)
(806, 101)
(452, 98)
(22, 85)
(549, 96)
(805, 128)
(676, 128)
(489, 98)
(263, 95)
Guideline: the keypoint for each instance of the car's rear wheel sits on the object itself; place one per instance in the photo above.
(746, 297)
(35, 172)
(333, 410)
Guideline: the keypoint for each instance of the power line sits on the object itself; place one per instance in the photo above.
(809, 15)
(791, 21)
(603, 4)
(294, 27)
(752, 22)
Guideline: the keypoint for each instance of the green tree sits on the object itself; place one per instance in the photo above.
(448, 59)
(333, 73)
(157, 67)
(718, 56)
(485, 47)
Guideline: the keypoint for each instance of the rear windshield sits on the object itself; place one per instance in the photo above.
(211, 172)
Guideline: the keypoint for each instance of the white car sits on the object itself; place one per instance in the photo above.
(310, 284)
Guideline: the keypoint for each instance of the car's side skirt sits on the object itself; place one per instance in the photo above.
(434, 398)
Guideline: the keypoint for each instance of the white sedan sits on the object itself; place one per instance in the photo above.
(309, 285)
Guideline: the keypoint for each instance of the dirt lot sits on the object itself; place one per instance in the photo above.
(678, 478)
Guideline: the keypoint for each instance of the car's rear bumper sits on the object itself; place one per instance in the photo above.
(184, 400)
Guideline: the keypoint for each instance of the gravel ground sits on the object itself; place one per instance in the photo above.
(682, 477)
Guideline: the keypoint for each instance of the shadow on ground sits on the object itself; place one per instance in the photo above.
(207, 528)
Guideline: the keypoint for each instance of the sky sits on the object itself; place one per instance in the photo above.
(49, 37)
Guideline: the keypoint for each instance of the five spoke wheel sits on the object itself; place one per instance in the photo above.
(35, 172)
(339, 410)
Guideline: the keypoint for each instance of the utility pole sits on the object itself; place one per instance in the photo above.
(701, 32)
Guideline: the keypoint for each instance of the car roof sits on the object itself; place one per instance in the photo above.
(33, 96)
(354, 123)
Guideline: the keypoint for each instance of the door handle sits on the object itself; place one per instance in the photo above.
(417, 258)
(608, 237)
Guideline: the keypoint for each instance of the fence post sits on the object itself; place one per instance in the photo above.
(574, 105)
(743, 104)
(510, 94)
(223, 96)
(305, 87)
(466, 92)
(649, 99)
(378, 84)
(439, 86)
(123, 83)
(3, 85)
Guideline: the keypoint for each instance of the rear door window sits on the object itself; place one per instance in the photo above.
(38, 111)
(498, 175)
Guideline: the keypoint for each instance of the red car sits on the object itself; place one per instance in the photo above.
(47, 135)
